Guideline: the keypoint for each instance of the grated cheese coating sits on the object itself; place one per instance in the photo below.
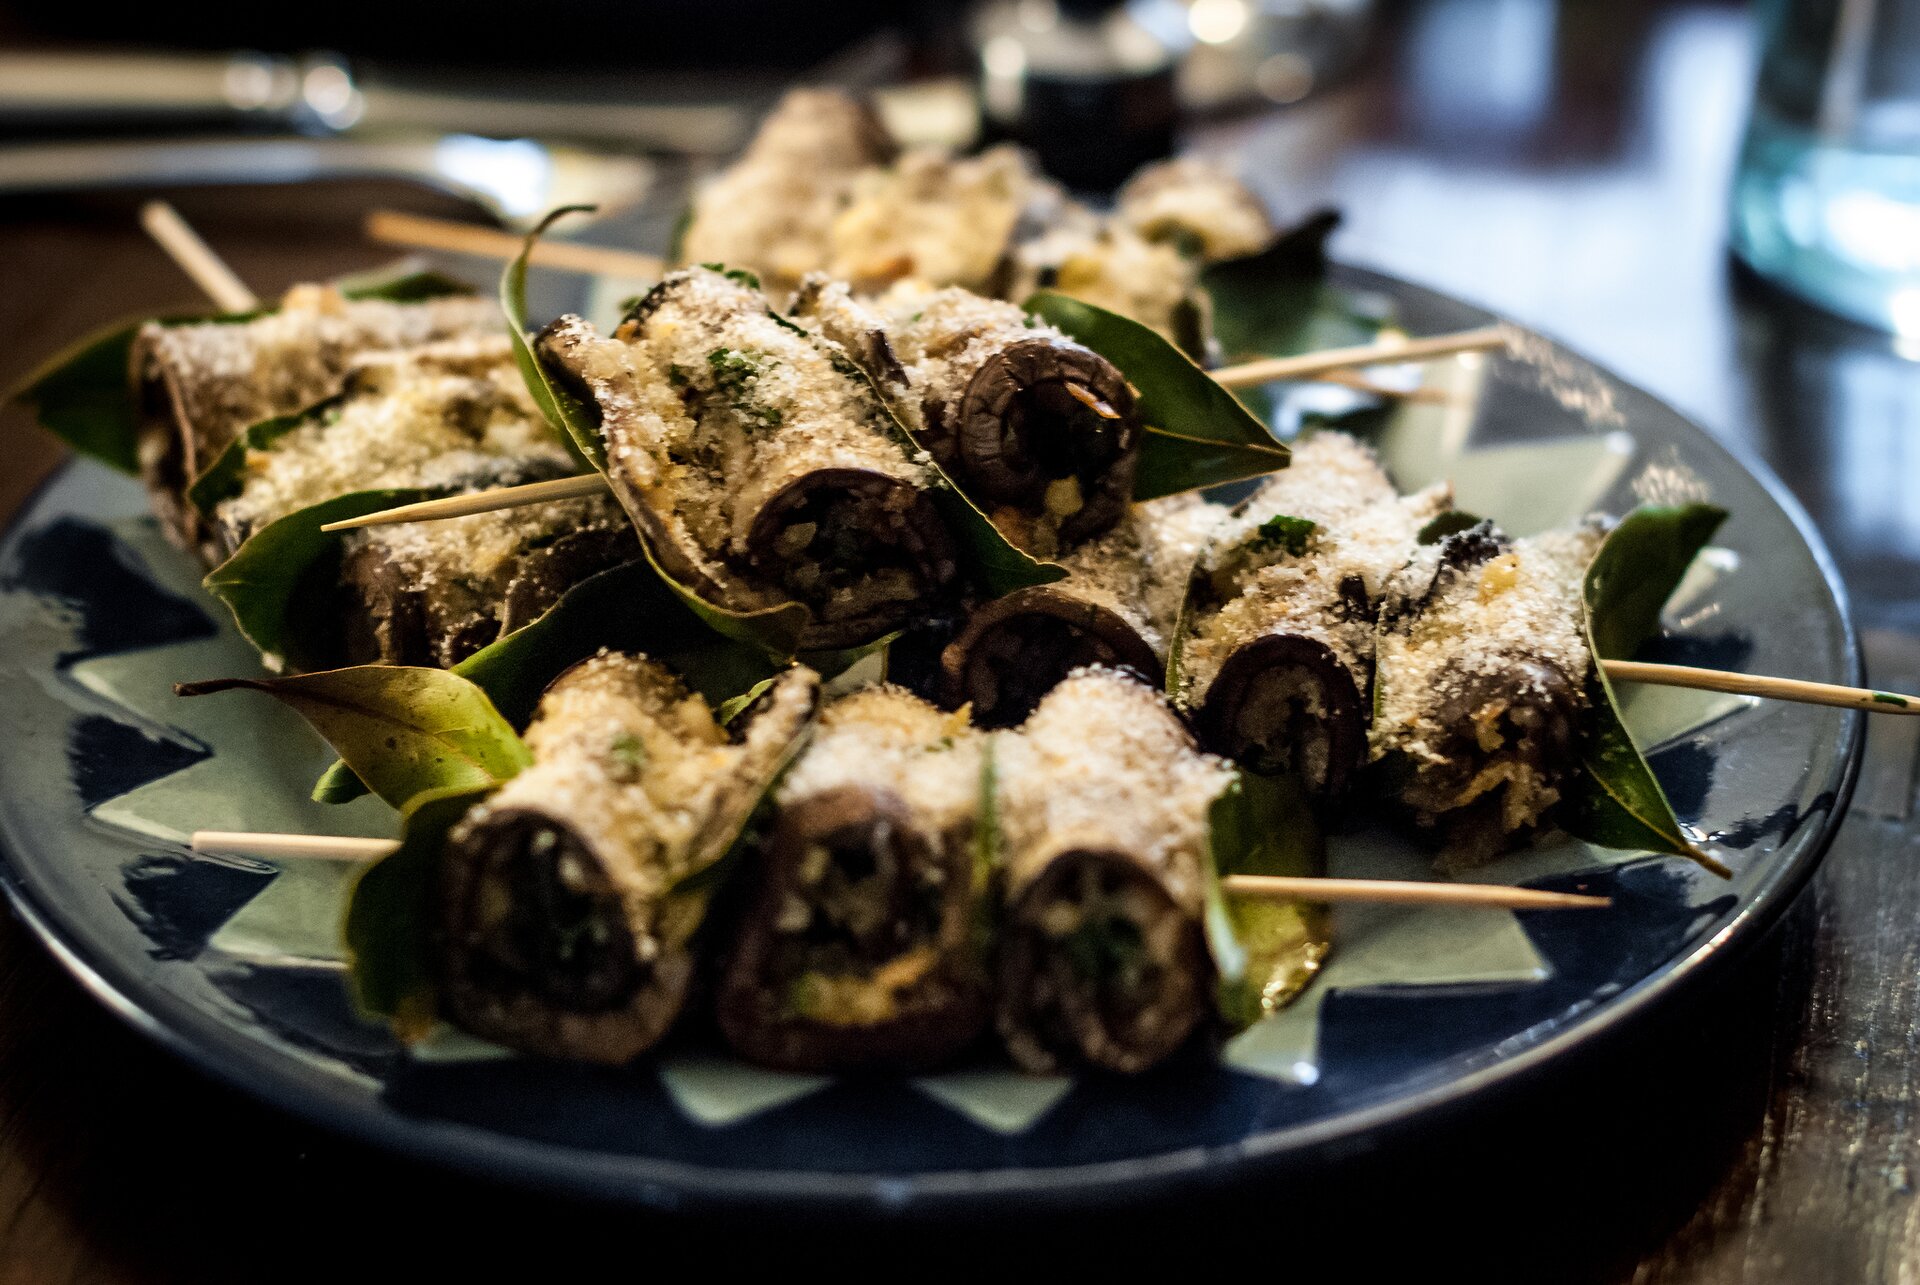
(931, 216)
(1463, 623)
(710, 405)
(1103, 763)
(885, 736)
(1256, 585)
(425, 416)
(223, 378)
(774, 209)
(635, 765)
(1197, 201)
(1139, 570)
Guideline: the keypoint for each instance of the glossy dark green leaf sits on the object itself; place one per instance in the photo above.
(994, 562)
(572, 419)
(1198, 434)
(403, 730)
(1617, 801)
(278, 585)
(1278, 302)
(1265, 951)
(388, 928)
(625, 608)
(84, 394)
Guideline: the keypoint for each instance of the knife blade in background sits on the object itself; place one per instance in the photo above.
(43, 93)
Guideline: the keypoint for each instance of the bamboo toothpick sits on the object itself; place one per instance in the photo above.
(1386, 352)
(414, 232)
(245, 843)
(1785, 689)
(196, 258)
(460, 506)
(1407, 892)
(241, 843)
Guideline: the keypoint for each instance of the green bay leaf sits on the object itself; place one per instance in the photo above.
(1265, 951)
(1197, 433)
(403, 730)
(574, 420)
(1616, 801)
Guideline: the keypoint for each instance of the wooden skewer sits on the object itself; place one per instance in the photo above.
(391, 227)
(196, 258)
(1785, 689)
(460, 506)
(243, 843)
(1386, 352)
(1407, 892)
(1388, 891)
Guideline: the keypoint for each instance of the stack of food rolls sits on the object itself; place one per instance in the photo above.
(818, 191)
(773, 210)
(1484, 674)
(454, 415)
(570, 899)
(758, 460)
(1277, 656)
(864, 945)
(198, 386)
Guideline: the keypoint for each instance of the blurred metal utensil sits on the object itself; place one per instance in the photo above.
(322, 93)
(515, 179)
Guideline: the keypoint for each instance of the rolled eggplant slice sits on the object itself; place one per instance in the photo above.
(433, 593)
(863, 947)
(932, 217)
(1276, 655)
(1103, 803)
(198, 386)
(1483, 673)
(1117, 608)
(774, 210)
(758, 461)
(1039, 431)
(568, 902)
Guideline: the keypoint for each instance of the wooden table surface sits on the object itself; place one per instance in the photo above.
(1563, 164)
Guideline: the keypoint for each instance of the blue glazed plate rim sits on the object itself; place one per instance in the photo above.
(303, 1091)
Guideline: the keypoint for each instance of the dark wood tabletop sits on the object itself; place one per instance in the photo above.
(1566, 165)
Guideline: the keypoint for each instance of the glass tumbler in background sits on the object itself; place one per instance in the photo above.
(1826, 199)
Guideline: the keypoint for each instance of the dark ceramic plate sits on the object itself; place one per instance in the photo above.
(236, 964)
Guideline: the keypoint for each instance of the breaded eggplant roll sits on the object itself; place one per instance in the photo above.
(199, 386)
(1198, 204)
(454, 415)
(758, 461)
(1276, 661)
(1038, 430)
(569, 901)
(1117, 608)
(773, 211)
(1483, 671)
(864, 945)
(1103, 804)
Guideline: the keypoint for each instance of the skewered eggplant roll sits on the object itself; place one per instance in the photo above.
(199, 386)
(455, 415)
(773, 211)
(1196, 204)
(758, 461)
(568, 901)
(1276, 661)
(1040, 431)
(864, 947)
(1482, 672)
(1117, 608)
(1103, 804)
